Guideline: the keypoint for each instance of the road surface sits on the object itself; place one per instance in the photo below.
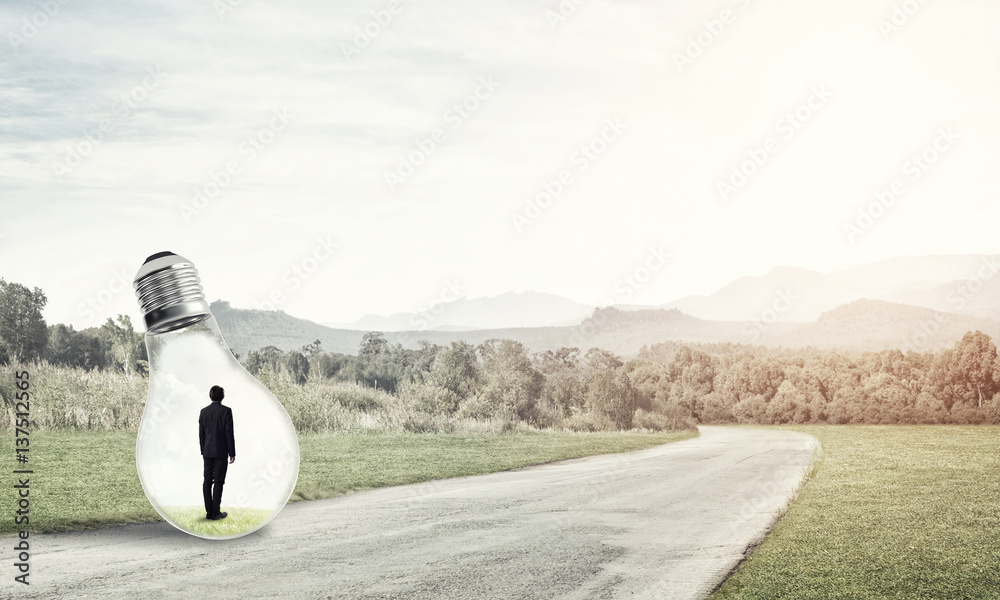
(668, 522)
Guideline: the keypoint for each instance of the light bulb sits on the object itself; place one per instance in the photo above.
(187, 357)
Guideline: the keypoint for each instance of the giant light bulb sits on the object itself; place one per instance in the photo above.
(187, 356)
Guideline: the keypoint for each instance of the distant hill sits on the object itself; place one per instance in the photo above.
(802, 294)
(610, 329)
(971, 297)
(860, 325)
(250, 329)
(876, 324)
(964, 284)
(512, 309)
(903, 271)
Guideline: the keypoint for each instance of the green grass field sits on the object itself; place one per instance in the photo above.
(891, 512)
(87, 479)
(237, 521)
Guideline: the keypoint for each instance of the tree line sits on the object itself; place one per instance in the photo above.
(25, 336)
(667, 385)
(495, 379)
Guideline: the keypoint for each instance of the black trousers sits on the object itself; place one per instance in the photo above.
(215, 475)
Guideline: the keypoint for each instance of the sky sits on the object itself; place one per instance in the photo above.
(372, 156)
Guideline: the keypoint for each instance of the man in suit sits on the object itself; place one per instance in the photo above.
(215, 433)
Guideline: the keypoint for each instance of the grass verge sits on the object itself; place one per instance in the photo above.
(891, 512)
(87, 479)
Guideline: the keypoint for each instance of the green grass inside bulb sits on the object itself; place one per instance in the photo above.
(239, 520)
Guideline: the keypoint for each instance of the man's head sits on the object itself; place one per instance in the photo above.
(216, 393)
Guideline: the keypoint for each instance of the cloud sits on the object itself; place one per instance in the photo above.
(355, 116)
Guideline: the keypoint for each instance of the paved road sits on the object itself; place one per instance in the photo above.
(668, 522)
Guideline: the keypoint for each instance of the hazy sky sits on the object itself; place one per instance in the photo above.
(415, 147)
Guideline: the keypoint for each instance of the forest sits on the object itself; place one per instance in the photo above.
(668, 385)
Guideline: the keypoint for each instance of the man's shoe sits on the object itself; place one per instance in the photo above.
(221, 515)
(208, 516)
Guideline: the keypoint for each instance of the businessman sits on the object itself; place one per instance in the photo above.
(215, 434)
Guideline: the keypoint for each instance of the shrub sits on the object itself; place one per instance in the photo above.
(968, 416)
(429, 397)
(715, 410)
(485, 407)
(650, 420)
(588, 421)
(611, 394)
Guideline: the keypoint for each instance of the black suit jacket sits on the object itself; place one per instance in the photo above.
(215, 431)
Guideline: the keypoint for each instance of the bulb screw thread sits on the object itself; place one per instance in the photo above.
(169, 292)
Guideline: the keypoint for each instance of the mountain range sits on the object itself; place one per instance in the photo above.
(910, 303)
(963, 284)
(511, 309)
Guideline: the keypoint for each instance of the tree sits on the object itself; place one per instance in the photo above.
(789, 405)
(373, 346)
(931, 408)
(333, 366)
(381, 364)
(23, 333)
(456, 369)
(611, 394)
(602, 359)
(751, 409)
(71, 348)
(556, 361)
(966, 375)
(512, 386)
(267, 357)
(975, 368)
(125, 344)
(564, 392)
(649, 379)
(298, 366)
(312, 349)
(993, 410)
(692, 374)
(563, 389)
(752, 379)
(811, 408)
